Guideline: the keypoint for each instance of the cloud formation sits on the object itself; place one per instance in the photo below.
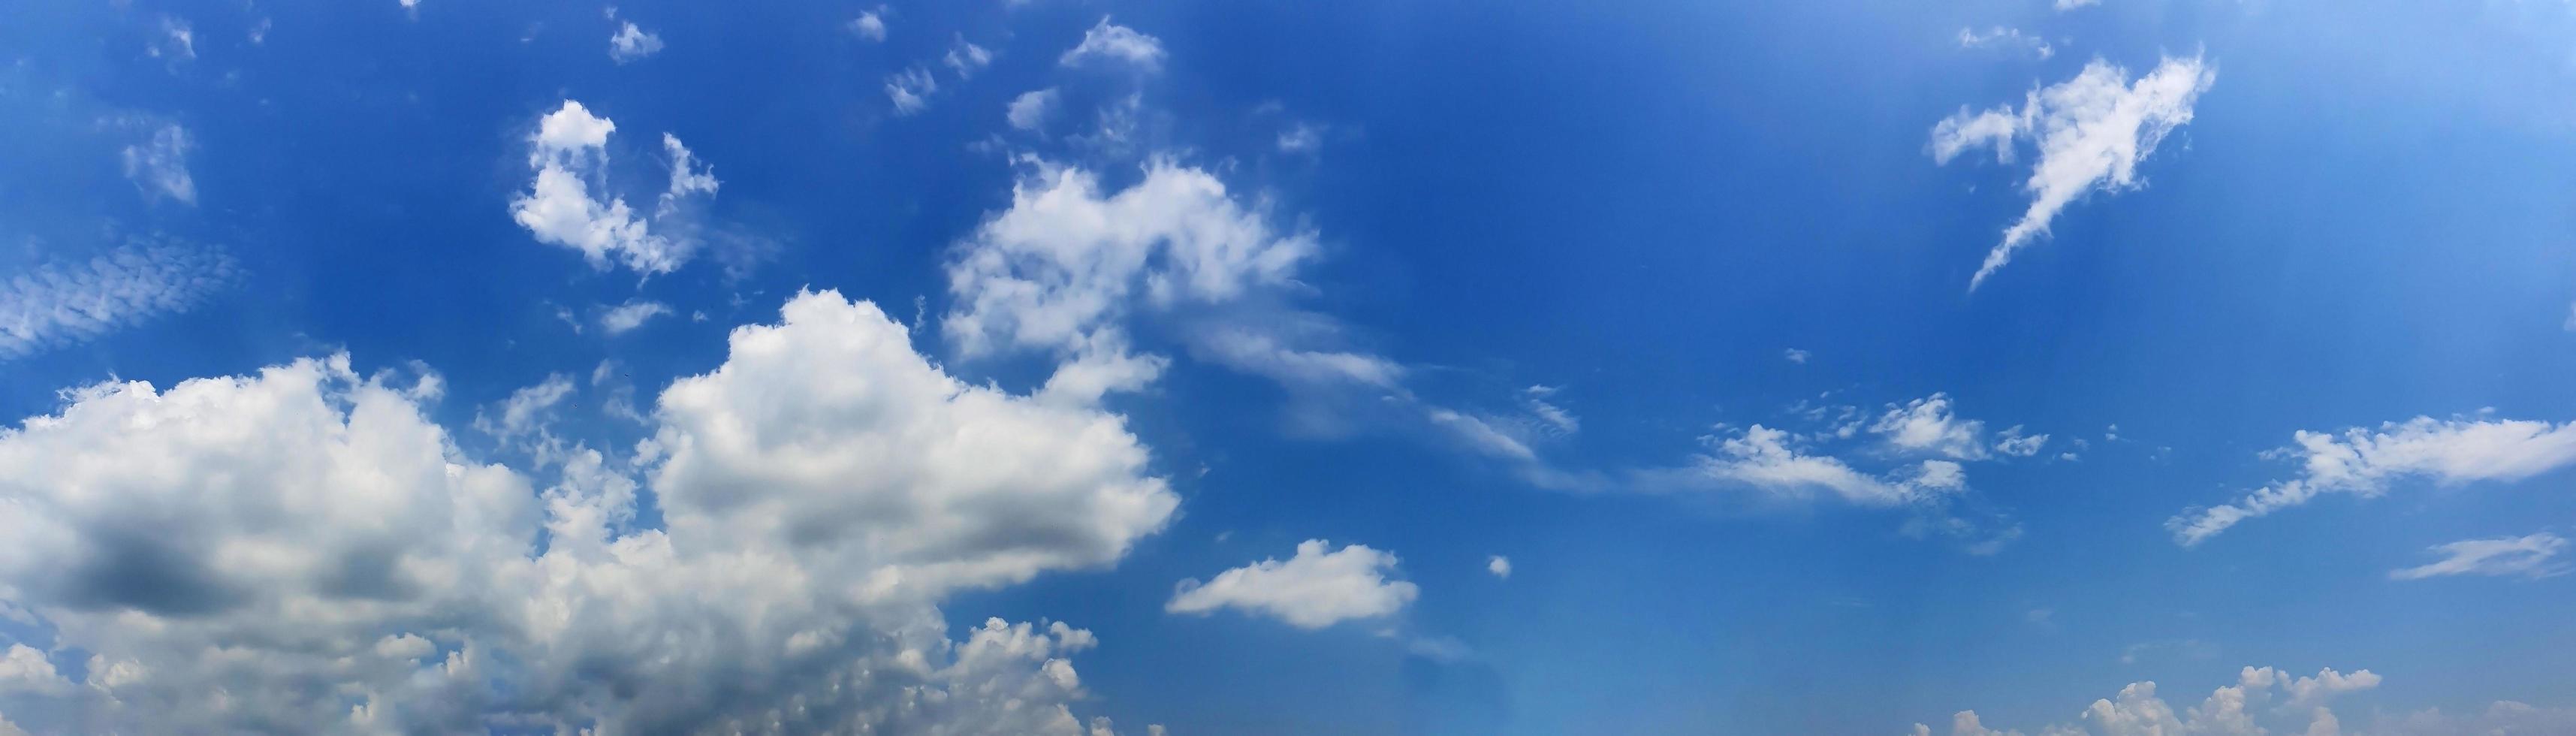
(2091, 131)
(2532, 555)
(1115, 44)
(63, 304)
(569, 153)
(1318, 587)
(2367, 462)
(2262, 701)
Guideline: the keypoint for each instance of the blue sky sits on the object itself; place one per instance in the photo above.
(1061, 366)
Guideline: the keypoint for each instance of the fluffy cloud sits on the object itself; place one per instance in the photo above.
(1107, 42)
(634, 313)
(2534, 555)
(159, 164)
(910, 90)
(632, 43)
(569, 153)
(2091, 132)
(966, 58)
(2365, 462)
(1499, 565)
(1029, 110)
(2241, 709)
(66, 304)
(1927, 425)
(302, 550)
(870, 24)
(2006, 39)
(1318, 587)
(1762, 459)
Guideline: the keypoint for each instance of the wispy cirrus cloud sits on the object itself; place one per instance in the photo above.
(61, 304)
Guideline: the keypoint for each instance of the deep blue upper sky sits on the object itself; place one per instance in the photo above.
(1598, 250)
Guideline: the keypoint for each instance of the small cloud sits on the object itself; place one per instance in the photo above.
(2531, 556)
(632, 43)
(870, 24)
(1795, 355)
(1116, 43)
(634, 313)
(1301, 138)
(1500, 566)
(1029, 110)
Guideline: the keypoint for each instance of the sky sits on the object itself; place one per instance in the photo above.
(1422, 367)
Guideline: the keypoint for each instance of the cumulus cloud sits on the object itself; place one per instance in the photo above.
(1111, 43)
(2247, 708)
(2533, 555)
(631, 43)
(966, 58)
(60, 304)
(303, 549)
(2367, 462)
(1301, 138)
(1499, 565)
(1029, 110)
(870, 24)
(2091, 131)
(1795, 355)
(1318, 587)
(177, 41)
(630, 315)
(910, 90)
(569, 153)
(1928, 425)
(159, 164)
(1761, 458)
(2005, 39)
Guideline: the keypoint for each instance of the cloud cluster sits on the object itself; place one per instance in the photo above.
(1115, 44)
(2365, 462)
(2261, 695)
(1318, 587)
(303, 550)
(2091, 131)
(69, 303)
(564, 205)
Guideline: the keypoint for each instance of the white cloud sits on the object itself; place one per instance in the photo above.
(910, 90)
(2502, 717)
(304, 549)
(2073, 4)
(1318, 587)
(2001, 38)
(67, 304)
(2091, 131)
(2533, 555)
(2232, 710)
(1301, 138)
(159, 164)
(1107, 42)
(1499, 565)
(1029, 110)
(966, 58)
(2014, 443)
(569, 153)
(1761, 458)
(527, 411)
(870, 24)
(632, 43)
(634, 313)
(24, 669)
(177, 42)
(2364, 462)
(1927, 425)
(1795, 355)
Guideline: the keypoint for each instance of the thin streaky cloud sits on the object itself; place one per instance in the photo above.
(61, 304)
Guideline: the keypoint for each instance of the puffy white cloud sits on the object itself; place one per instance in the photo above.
(2365, 462)
(910, 90)
(1795, 355)
(2005, 39)
(2241, 709)
(2532, 555)
(70, 303)
(177, 42)
(159, 164)
(569, 153)
(2091, 131)
(1499, 565)
(24, 669)
(1760, 458)
(966, 58)
(1108, 42)
(2013, 442)
(634, 313)
(1318, 587)
(631, 43)
(870, 24)
(527, 411)
(1029, 110)
(1927, 425)
(302, 550)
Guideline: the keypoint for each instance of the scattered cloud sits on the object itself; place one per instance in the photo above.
(966, 58)
(159, 164)
(2005, 39)
(2247, 708)
(2366, 462)
(2073, 4)
(1500, 566)
(870, 24)
(1926, 425)
(177, 41)
(1029, 110)
(569, 153)
(2533, 555)
(2091, 131)
(1303, 138)
(634, 313)
(910, 90)
(1318, 587)
(1111, 43)
(632, 43)
(61, 304)
(1795, 355)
